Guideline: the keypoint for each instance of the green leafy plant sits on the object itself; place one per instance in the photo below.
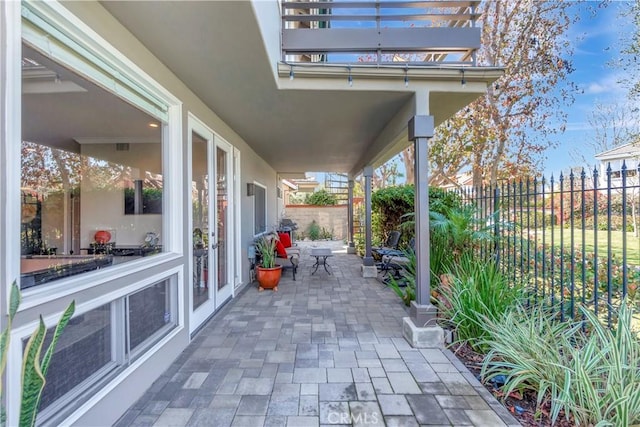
(321, 198)
(314, 230)
(266, 248)
(407, 292)
(471, 291)
(34, 364)
(592, 376)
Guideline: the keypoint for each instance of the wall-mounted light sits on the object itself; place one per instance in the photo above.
(350, 78)
(291, 74)
(251, 189)
(406, 76)
(153, 125)
(463, 81)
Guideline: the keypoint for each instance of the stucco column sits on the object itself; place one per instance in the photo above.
(351, 247)
(368, 266)
(420, 328)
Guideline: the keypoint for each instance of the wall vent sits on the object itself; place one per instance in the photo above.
(122, 146)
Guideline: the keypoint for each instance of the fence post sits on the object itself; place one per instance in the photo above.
(595, 240)
(624, 228)
(496, 224)
(609, 251)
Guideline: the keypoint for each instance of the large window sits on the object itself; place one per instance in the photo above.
(260, 209)
(93, 348)
(92, 176)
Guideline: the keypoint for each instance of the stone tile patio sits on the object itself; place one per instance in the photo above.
(323, 350)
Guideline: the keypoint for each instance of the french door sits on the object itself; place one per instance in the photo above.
(212, 255)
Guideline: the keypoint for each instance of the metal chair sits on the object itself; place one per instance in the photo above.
(391, 244)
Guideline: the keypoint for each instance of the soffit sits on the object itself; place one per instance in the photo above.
(216, 49)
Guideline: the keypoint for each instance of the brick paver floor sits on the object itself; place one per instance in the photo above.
(323, 350)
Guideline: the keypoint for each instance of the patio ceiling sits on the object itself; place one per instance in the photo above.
(216, 48)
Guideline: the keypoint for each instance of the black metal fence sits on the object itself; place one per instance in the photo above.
(572, 240)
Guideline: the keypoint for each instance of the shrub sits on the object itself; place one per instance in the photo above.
(408, 292)
(321, 198)
(473, 291)
(314, 230)
(393, 203)
(592, 377)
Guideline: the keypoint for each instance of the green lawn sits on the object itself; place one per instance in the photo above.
(633, 243)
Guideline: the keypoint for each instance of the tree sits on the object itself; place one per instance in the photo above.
(630, 53)
(387, 174)
(504, 131)
(613, 125)
(321, 198)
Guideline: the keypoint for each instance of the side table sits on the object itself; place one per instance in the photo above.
(321, 255)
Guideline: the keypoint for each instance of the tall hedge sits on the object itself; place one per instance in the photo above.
(391, 203)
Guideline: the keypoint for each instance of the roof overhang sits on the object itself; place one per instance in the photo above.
(315, 121)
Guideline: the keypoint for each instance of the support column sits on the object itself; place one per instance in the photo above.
(368, 266)
(420, 328)
(351, 247)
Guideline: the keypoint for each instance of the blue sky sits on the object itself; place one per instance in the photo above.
(596, 42)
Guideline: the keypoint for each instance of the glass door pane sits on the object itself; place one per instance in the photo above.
(200, 212)
(222, 197)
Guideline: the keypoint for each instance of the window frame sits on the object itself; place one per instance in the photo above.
(86, 53)
(255, 207)
(123, 360)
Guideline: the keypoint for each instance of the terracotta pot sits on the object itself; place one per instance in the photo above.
(268, 278)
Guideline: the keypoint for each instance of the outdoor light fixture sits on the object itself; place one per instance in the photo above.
(251, 189)
(406, 76)
(350, 78)
(463, 81)
(291, 75)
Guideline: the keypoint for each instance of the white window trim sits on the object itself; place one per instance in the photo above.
(266, 210)
(13, 371)
(10, 53)
(83, 36)
(11, 128)
(236, 215)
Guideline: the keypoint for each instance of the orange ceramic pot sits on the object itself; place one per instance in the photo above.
(268, 278)
(102, 236)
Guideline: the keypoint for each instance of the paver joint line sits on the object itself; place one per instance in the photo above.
(323, 350)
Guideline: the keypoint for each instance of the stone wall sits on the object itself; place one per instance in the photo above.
(331, 218)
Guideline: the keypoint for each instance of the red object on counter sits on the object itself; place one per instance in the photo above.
(102, 236)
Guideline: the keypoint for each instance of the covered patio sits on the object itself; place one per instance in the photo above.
(323, 350)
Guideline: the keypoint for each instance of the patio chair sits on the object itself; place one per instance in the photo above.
(391, 244)
(290, 253)
(396, 261)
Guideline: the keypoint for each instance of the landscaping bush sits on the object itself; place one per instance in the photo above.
(472, 291)
(321, 198)
(313, 231)
(592, 377)
(393, 203)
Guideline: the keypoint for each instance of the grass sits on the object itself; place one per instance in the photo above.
(633, 242)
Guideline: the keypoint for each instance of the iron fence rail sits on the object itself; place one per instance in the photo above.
(570, 241)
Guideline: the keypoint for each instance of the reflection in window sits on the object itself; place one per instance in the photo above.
(84, 149)
(260, 209)
(83, 349)
(149, 312)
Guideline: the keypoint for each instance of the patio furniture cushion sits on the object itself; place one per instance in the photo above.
(280, 249)
(285, 239)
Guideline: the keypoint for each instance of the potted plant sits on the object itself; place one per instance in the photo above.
(267, 272)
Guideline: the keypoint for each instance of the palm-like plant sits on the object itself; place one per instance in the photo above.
(266, 247)
(460, 228)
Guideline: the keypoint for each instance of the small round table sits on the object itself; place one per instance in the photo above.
(321, 255)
